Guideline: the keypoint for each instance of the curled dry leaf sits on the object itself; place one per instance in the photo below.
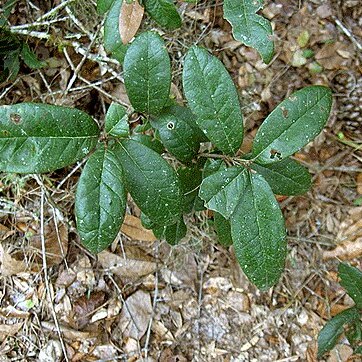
(124, 267)
(130, 18)
(135, 315)
(133, 228)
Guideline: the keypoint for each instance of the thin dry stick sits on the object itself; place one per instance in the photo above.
(45, 270)
(145, 348)
(348, 33)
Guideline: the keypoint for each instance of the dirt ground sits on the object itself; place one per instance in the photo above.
(142, 300)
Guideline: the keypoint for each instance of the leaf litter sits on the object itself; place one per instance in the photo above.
(205, 309)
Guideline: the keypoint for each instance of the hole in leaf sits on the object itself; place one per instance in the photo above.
(15, 118)
(170, 125)
(275, 154)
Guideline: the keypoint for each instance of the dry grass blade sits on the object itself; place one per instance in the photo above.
(130, 19)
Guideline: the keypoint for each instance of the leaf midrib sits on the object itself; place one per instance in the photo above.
(291, 125)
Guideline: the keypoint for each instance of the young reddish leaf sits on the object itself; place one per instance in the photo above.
(130, 19)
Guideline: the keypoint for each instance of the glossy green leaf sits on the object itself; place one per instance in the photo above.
(333, 329)
(30, 58)
(6, 11)
(190, 178)
(147, 222)
(222, 190)
(147, 73)
(292, 124)
(164, 12)
(358, 350)
(248, 27)
(287, 177)
(173, 234)
(151, 181)
(212, 97)
(179, 138)
(149, 141)
(100, 201)
(223, 230)
(116, 122)
(258, 233)
(351, 281)
(213, 165)
(104, 5)
(112, 39)
(37, 138)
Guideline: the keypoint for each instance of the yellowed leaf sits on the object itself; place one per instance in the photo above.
(133, 228)
(130, 18)
(124, 267)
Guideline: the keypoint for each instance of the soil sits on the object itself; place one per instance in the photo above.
(142, 300)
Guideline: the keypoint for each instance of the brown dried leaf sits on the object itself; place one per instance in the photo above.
(130, 19)
(133, 228)
(68, 333)
(7, 330)
(135, 315)
(9, 265)
(84, 307)
(330, 56)
(125, 268)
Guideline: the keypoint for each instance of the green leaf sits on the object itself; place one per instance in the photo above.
(37, 138)
(333, 329)
(292, 124)
(30, 58)
(147, 73)
(12, 65)
(223, 230)
(258, 233)
(177, 135)
(173, 234)
(287, 177)
(112, 39)
(100, 202)
(164, 12)
(358, 350)
(149, 141)
(351, 281)
(151, 181)
(213, 165)
(222, 190)
(6, 11)
(190, 178)
(103, 6)
(116, 122)
(212, 97)
(248, 27)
